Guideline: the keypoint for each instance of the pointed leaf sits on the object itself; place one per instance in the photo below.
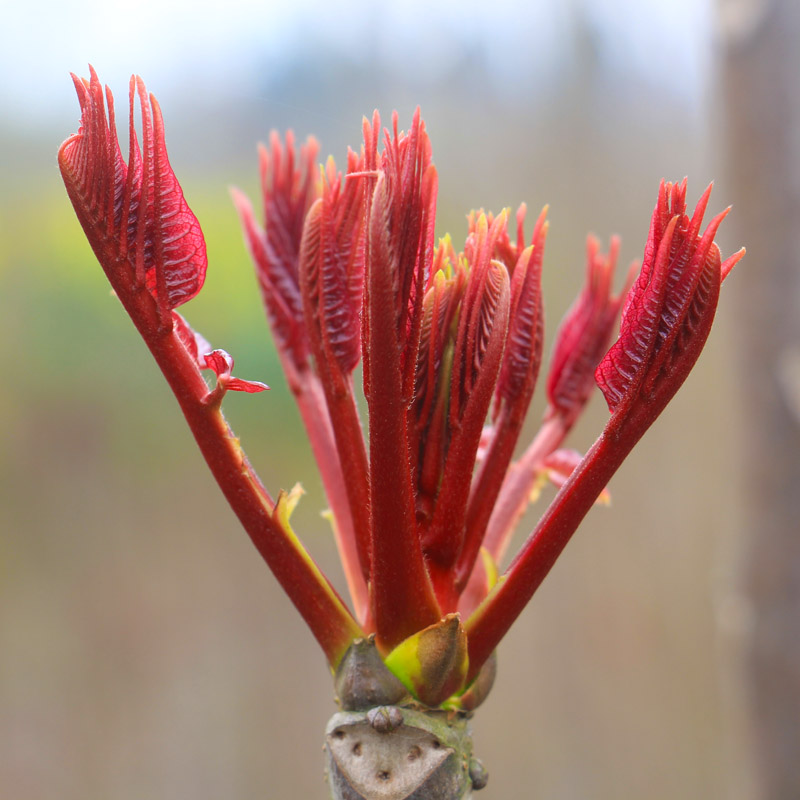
(668, 312)
(401, 212)
(332, 270)
(279, 290)
(665, 323)
(478, 355)
(524, 347)
(583, 336)
(221, 363)
(515, 385)
(332, 328)
(135, 216)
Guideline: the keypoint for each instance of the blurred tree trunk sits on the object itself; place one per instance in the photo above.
(761, 81)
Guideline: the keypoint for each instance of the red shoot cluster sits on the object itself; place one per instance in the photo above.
(425, 497)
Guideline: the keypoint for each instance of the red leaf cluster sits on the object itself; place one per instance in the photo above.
(423, 506)
(136, 219)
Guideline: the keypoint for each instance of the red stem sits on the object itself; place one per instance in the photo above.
(352, 453)
(402, 598)
(310, 399)
(515, 492)
(490, 622)
(312, 594)
(485, 492)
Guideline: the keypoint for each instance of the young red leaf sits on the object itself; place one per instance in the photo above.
(401, 212)
(666, 320)
(507, 251)
(288, 190)
(580, 343)
(331, 252)
(489, 322)
(428, 430)
(515, 386)
(583, 336)
(524, 349)
(406, 193)
(668, 312)
(221, 363)
(332, 269)
(134, 216)
(152, 251)
(477, 357)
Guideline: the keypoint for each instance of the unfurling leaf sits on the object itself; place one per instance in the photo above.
(288, 189)
(331, 269)
(221, 363)
(584, 333)
(669, 310)
(195, 343)
(135, 216)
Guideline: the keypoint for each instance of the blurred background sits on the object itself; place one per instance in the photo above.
(145, 649)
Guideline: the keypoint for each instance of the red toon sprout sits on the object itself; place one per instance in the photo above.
(424, 497)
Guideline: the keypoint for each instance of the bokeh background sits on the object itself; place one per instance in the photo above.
(145, 650)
